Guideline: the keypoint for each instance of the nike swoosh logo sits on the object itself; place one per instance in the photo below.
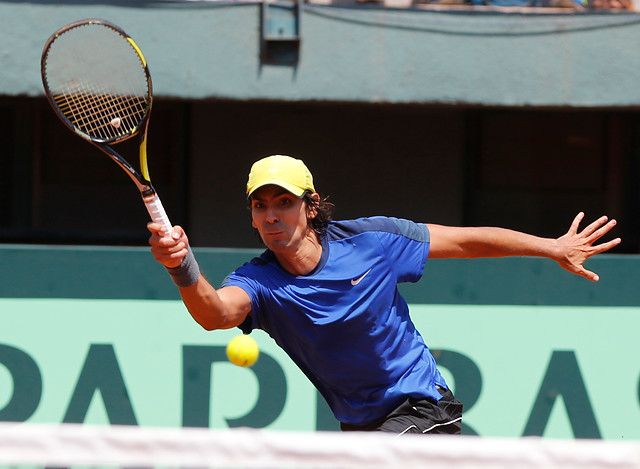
(356, 281)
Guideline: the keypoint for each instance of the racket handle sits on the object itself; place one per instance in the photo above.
(156, 210)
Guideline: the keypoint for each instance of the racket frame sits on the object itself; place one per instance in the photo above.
(141, 178)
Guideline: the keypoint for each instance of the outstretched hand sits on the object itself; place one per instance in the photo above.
(576, 247)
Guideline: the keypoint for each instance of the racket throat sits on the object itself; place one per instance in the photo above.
(149, 192)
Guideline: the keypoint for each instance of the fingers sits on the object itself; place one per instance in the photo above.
(598, 225)
(592, 227)
(580, 245)
(168, 250)
(595, 230)
(158, 232)
(600, 248)
(601, 231)
(597, 250)
(573, 229)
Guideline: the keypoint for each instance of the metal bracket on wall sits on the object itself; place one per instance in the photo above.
(281, 32)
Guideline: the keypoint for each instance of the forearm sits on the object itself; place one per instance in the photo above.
(477, 242)
(570, 250)
(211, 308)
(205, 306)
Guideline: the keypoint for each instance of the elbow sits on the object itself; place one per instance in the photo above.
(206, 320)
(213, 310)
(209, 324)
(217, 323)
(208, 327)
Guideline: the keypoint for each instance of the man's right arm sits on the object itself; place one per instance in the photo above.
(213, 309)
(216, 309)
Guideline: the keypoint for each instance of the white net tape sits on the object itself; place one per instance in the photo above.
(79, 445)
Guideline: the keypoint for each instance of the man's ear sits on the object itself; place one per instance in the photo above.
(312, 212)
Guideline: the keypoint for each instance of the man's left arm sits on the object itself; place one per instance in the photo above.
(570, 250)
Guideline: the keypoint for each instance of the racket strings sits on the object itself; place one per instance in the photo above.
(91, 108)
(91, 104)
(94, 113)
(98, 81)
(101, 113)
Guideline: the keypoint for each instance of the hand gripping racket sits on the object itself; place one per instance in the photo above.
(98, 82)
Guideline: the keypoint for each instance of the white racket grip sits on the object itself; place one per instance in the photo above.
(157, 213)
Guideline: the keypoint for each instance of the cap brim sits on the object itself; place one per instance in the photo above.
(295, 190)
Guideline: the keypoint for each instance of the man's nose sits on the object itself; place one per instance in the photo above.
(272, 215)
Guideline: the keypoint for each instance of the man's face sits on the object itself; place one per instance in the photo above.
(280, 217)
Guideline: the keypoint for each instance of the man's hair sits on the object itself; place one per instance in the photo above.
(324, 212)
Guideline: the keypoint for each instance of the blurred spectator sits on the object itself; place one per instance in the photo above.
(611, 4)
(568, 4)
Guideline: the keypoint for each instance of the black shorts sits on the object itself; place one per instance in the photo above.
(419, 416)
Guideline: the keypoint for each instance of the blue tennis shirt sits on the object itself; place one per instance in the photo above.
(345, 324)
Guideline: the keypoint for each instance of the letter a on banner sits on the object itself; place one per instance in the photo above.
(563, 378)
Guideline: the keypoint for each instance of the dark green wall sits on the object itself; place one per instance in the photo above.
(132, 273)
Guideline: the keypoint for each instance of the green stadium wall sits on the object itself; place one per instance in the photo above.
(98, 335)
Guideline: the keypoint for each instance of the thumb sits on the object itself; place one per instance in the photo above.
(589, 275)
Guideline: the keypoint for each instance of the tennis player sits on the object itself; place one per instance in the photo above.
(326, 292)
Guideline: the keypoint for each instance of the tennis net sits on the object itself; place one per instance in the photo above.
(70, 445)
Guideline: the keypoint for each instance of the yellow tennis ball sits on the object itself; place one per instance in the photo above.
(243, 350)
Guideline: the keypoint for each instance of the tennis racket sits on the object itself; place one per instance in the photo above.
(97, 80)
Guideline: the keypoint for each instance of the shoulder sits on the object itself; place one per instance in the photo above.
(254, 268)
(396, 226)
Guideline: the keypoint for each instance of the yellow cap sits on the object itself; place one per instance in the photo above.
(290, 173)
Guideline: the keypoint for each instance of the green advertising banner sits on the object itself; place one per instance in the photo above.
(554, 371)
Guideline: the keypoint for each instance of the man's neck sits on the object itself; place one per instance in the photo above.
(304, 259)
